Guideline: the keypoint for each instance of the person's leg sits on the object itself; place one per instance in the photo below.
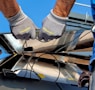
(54, 24)
(21, 25)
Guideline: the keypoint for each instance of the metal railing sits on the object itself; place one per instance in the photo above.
(84, 5)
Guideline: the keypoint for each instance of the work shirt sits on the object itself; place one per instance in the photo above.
(92, 59)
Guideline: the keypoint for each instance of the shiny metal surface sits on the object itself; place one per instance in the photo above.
(46, 71)
(16, 44)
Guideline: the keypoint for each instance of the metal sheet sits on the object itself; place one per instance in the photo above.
(47, 71)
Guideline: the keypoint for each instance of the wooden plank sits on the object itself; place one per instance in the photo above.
(62, 58)
(82, 50)
(76, 60)
(43, 55)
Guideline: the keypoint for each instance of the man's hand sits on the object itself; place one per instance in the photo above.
(22, 26)
(53, 27)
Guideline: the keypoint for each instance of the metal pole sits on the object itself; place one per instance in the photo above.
(84, 5)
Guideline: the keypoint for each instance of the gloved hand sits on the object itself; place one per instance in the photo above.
(22, 26)
(84, 78)
(52, 28)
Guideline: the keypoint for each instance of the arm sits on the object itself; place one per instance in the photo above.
(54, 24)
(62, 7)
(9, 7)
(22, 27)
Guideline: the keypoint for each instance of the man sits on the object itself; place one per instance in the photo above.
(90, 76)
(92, 60)
(53, 26)
(23, 27)
(93, 31)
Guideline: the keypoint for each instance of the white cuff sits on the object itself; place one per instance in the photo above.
(56, 18)
(18, 18)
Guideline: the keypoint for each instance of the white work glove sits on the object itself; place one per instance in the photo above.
(52, 28)
(22, 27)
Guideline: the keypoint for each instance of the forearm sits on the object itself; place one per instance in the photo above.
(63, 7)
(9, 7)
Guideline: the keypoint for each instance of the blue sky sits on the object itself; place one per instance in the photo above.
(37, 11)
